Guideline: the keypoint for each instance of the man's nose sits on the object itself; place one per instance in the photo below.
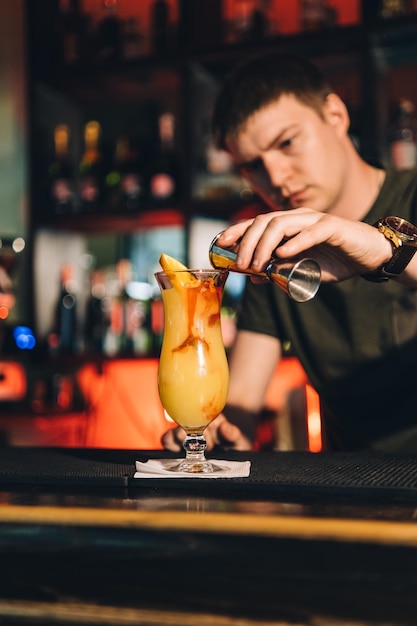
(262, 184)
(277, 170)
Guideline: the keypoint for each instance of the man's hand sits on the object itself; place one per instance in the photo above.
(343, 248)
(219, 433)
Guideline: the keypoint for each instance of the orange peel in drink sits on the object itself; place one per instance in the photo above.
(184, 277)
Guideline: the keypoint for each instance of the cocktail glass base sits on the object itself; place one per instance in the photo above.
(196, 466)
(195, 461)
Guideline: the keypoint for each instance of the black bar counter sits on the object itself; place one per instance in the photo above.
(322, 539)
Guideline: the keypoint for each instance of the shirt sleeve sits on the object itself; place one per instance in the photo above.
(257, 310)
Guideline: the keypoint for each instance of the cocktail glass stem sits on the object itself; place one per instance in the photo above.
(195, 461)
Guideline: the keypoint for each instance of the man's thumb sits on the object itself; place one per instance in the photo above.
(229, 432)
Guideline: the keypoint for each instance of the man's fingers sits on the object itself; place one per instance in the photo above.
(219, 432)
(211, 432)
(231, 436)
(172, 439)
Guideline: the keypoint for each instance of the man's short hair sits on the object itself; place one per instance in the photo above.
(260, 80)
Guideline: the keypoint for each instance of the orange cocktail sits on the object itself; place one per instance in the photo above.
(193, 376)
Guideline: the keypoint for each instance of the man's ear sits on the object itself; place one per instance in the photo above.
(335, 113)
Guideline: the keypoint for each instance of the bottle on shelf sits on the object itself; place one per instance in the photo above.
(109, 34)
(129, 333)
(144, 339)
(259, 28)
(159, 22)
(124, 183)
(403, 136)
(90, 170)
(250, 21)
(63, 338)
(96, 317)
(157, 324)
(395, 8)
(164, 174)
(123, 322)
(76, 32)
(132, 39)
(317, 14)
(61, 175)
(241, 22)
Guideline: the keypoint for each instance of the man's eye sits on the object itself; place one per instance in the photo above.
(286, 143)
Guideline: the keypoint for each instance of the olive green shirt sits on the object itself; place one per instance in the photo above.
(356, 340)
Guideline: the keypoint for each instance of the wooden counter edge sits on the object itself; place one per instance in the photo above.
(346, 530)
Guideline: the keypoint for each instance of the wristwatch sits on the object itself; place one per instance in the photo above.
(403, 236)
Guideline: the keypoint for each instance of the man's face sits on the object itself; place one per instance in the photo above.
(293, 156)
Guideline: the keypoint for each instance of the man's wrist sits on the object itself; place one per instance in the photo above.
(245, 420)
(402, 236)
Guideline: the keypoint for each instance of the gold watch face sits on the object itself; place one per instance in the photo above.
(391, 234)
(399, 229)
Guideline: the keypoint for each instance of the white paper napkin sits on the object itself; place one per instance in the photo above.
(160, 468)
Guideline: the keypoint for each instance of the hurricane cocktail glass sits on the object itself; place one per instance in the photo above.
(193, 373)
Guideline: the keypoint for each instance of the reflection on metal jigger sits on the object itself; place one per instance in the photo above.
(300, 280)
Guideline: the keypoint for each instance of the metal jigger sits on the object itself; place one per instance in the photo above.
(299, 279)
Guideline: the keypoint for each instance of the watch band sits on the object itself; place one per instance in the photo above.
(404, 248)
(399, 261)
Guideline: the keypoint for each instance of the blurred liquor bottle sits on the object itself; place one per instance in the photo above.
(90, 170)
(160, 27)
(125, 188)
(403, 135)
(164, 173)
(96, 316)
(144, 339)
(157, 324)
(129, 333)
(123, 322)
(61, 175)
(109, 34)
(260, 27)
(63, 338)
(132, 39)
(76, 35)
(395, 8)
(317, 14)
(250, 21)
